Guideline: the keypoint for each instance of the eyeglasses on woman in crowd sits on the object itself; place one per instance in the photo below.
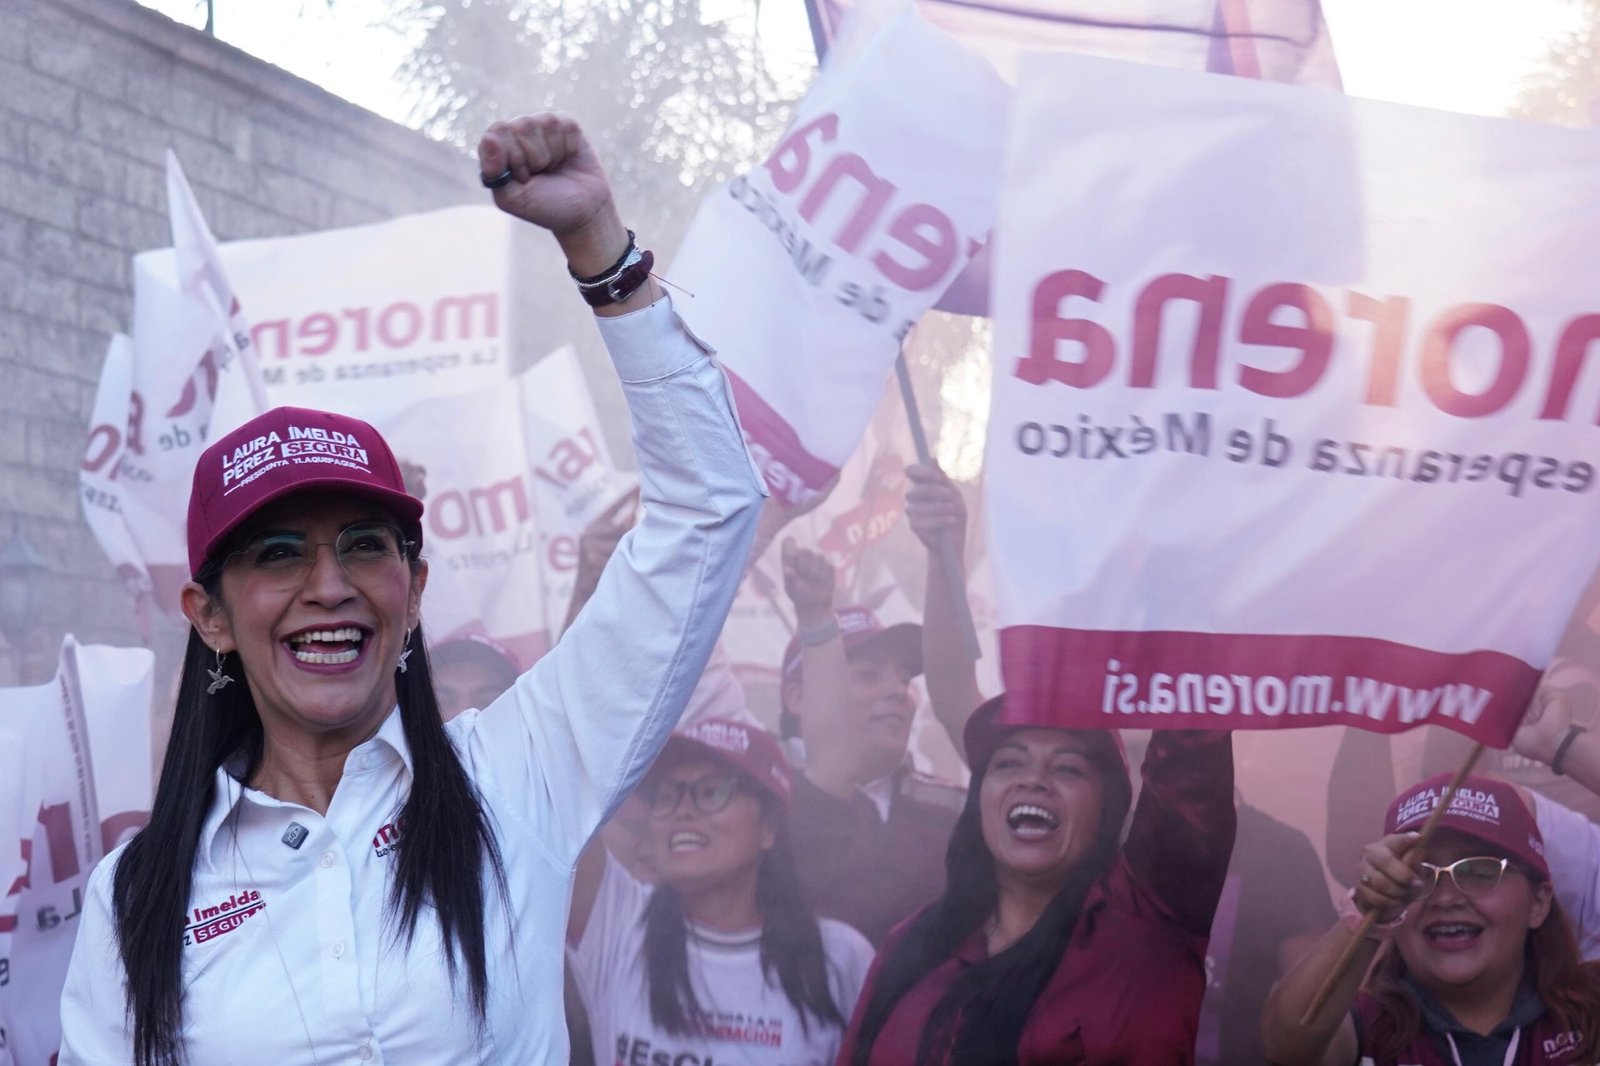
(1476, 875)
(710, 793)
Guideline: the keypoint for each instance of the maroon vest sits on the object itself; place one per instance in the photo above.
(1540, 1044)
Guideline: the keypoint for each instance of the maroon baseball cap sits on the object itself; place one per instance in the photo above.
(751, 749)
(1489, 810)
(476, 649)
(861, 629)
(994, 719)
(290, 449)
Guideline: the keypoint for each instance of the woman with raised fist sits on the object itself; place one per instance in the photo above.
(331, 873)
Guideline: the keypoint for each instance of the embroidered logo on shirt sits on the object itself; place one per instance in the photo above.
(386, 839)
(211, 922)
(1562, 1044)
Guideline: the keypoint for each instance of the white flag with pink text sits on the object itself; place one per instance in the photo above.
(510, 476)
(75, 782)
(1275, 40)
(154, 410)
(363, 320)
(1295, 412)
(807, 273)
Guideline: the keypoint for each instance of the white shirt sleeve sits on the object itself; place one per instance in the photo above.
(849, 958)
(614, 934)
(94, 1023)
(1572, 848)
(559, 751)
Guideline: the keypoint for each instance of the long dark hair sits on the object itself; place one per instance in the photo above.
(442, 856)
(791, 942)
(981, 1016)
(1568, 986)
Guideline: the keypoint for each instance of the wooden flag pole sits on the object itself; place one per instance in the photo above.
(1342, 967)
(946, 550)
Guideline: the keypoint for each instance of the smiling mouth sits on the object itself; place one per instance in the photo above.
(1030, 821)
(1452, 934)
(683, 840)
(327, 647)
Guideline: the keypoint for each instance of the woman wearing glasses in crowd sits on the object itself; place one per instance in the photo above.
(1476, 962)
(722, 961)
(330, 872)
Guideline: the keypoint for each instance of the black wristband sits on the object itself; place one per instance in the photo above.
(1573, 733)
(622, 261)
(618, 281)
(621, 285)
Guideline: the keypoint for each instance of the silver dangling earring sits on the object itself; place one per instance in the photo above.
(219, 678)
(406, 653)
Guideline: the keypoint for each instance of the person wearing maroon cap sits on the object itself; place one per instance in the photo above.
(723, 960)
(1055, 941)
(470, 671)
(1476, 962)
(870, 829)
(331, 872)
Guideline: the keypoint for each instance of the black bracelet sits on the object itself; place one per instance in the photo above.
(622, 261)
(1573, 733)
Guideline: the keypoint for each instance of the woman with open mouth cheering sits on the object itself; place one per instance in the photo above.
(1052, 942)
(723, 961)
(330, 872)
(1476, 960)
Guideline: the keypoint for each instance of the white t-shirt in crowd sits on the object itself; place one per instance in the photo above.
(1572, 848)
(746, 1019)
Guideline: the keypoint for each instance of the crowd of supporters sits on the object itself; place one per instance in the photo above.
(730, 910)
(740, 895)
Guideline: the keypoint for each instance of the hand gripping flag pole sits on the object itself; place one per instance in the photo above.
(1342, 966)
(946, 548)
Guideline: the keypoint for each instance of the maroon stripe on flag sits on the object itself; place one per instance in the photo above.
(1095, 679)
(793, 474)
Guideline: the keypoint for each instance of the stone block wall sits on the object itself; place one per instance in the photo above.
(92, 93)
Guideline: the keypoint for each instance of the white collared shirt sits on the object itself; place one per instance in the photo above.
(290, 956)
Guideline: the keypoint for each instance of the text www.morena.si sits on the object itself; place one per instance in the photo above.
(1272, 696)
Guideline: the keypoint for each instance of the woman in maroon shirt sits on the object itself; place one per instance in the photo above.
(1051, 944)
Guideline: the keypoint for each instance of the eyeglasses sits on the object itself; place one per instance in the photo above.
(710, 794)
(284, 558)
(1475, 876)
